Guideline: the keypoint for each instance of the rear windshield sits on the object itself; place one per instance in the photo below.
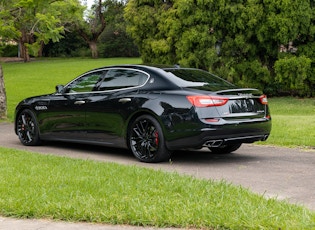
(198, 79)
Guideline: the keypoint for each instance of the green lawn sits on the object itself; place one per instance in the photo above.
(60, 188)
(293, 122)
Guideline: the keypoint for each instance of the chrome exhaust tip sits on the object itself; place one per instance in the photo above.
(213, 143)
(265, 137)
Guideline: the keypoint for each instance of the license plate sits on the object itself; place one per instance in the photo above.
(243, 106)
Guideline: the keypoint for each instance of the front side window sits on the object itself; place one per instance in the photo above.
(86, 83)
(121, 79)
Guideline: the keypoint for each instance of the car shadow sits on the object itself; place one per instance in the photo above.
(104, 153)
(80, 148)
(205, 156)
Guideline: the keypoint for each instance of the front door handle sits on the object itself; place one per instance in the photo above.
(124, 100)
(79, 102)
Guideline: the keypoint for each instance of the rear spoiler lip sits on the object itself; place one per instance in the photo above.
(238, 90)
(240, 93)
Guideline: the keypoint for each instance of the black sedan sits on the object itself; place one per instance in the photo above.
(150, 110)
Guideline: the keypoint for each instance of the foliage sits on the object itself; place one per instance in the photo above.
(68, 46)
(7, 26)
(34, 22)
(7, 50)
(240, 39)
(144, 24)
(114, 42)
(296, 75)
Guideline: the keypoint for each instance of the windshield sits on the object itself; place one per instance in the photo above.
(198, 79)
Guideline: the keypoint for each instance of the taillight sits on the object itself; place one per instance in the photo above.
(207, 101)
(263, 100)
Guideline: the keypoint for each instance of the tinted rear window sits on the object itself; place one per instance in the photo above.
(198, 79)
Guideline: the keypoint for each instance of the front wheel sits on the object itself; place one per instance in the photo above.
(27, 128)
(146, 140)
(225, 149)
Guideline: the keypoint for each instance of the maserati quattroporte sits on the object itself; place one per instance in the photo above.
(150, 110)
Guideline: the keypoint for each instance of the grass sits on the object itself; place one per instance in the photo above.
(293, 123)
(44, 186)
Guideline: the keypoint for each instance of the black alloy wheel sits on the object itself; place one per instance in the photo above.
(146, 140)
(27, 128)
(225, 149)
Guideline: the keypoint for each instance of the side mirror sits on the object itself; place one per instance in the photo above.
(60, 89)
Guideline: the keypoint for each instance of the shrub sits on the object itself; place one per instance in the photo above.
(9, 50)
(296, 75)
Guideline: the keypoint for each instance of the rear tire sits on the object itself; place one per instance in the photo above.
(225, 149)
(27, 128)
(146, 140)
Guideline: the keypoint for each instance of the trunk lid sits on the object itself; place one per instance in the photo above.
(243, 103)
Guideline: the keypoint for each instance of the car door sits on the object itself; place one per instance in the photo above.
(109, 108)
(66, 117)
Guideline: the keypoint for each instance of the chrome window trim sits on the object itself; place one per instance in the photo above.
(112, 90)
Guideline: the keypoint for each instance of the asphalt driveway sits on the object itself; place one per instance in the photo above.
(275, 172)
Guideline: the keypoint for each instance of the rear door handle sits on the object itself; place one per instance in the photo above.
(79, 102)
(124, 100)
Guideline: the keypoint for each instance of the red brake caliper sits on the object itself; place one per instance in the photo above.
(156, 135)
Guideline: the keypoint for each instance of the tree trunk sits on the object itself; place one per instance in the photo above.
(40, 51)
(3, 98)
(23, 49)
(24, 52)
(93, 47)
(96, 27)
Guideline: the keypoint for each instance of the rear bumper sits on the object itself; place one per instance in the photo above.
(217, 135)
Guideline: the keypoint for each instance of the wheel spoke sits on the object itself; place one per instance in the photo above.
(137, 132)
(23, 119)
(29, 136)
(144, 150)
(141, 125)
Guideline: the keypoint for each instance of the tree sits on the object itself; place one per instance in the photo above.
(91, 28)
(240, 40)
(3, 99)
(114, 41)
(71, 45)
(151, 26)
(7, 29)
(36, 22)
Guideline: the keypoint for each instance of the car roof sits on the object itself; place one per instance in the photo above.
(142, 66)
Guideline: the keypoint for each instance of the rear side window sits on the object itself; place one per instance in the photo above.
(122, 78)
(195, 78)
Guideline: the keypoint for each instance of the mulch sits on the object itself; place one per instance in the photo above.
(11, 59)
